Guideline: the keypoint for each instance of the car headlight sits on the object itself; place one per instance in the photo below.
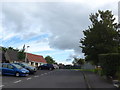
(23, 71)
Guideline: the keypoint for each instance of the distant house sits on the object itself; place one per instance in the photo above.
(12, 56)
(35, 60)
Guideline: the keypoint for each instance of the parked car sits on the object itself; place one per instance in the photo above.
(56, 66)
(31, 69)
(46, 66)
(13, 69)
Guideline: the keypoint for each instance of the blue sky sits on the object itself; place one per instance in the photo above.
(49, 28)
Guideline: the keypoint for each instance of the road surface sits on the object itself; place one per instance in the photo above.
(53, 79)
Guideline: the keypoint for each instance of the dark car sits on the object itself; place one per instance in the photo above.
(31, 69)
(13, 69)
(46, 66)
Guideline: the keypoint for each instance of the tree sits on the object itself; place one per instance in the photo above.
(4, 49)
(119, 38)
(10, 48)
(21, 53)
(78, 61)
(49, 60)
(101, 37)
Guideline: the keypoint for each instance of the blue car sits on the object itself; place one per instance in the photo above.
(13, 69)
(31, 69)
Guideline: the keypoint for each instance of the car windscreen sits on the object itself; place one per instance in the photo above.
(44, 65)
(17, 66)
(25, 64)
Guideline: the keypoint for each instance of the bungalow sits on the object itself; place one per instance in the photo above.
(35, 60)
(12, 56)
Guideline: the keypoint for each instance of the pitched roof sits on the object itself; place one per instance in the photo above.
(35, 58)
(11, 55)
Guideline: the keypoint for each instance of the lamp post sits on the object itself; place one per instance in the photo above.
(26, 54)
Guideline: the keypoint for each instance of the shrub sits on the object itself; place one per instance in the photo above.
(118, 74)
(110, 63)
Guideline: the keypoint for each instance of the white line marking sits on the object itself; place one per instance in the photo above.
(76, 70)
(42, 74)
(36, 76)
(2, 85)
(29, 78)
(116, 85)
(45, 73)
(17, 81)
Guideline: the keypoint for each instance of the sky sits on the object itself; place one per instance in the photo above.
(49, 27)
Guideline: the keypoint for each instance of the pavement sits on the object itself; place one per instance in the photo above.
(96, 81)
(61, 78)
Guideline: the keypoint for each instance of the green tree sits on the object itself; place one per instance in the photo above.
(49, 60)
(78, 61)
(4, 49)
(101, 37)
(119, 39)
(10, 48)
(21, 53)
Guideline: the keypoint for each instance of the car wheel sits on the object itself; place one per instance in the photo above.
(17, 74)
(40, 68)
(50, 68)
(26, 75)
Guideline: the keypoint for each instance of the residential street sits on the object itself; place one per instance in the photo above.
(55, 79)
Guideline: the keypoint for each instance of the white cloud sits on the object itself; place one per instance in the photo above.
(64, 22)
(36, 46)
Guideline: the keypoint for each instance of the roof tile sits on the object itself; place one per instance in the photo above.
(35, 58)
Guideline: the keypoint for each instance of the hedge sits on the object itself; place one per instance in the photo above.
(110, 63)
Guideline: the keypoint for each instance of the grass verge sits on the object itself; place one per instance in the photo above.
(91, 70)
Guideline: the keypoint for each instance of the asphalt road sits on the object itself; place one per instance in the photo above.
(47, 79)
(56, 79)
